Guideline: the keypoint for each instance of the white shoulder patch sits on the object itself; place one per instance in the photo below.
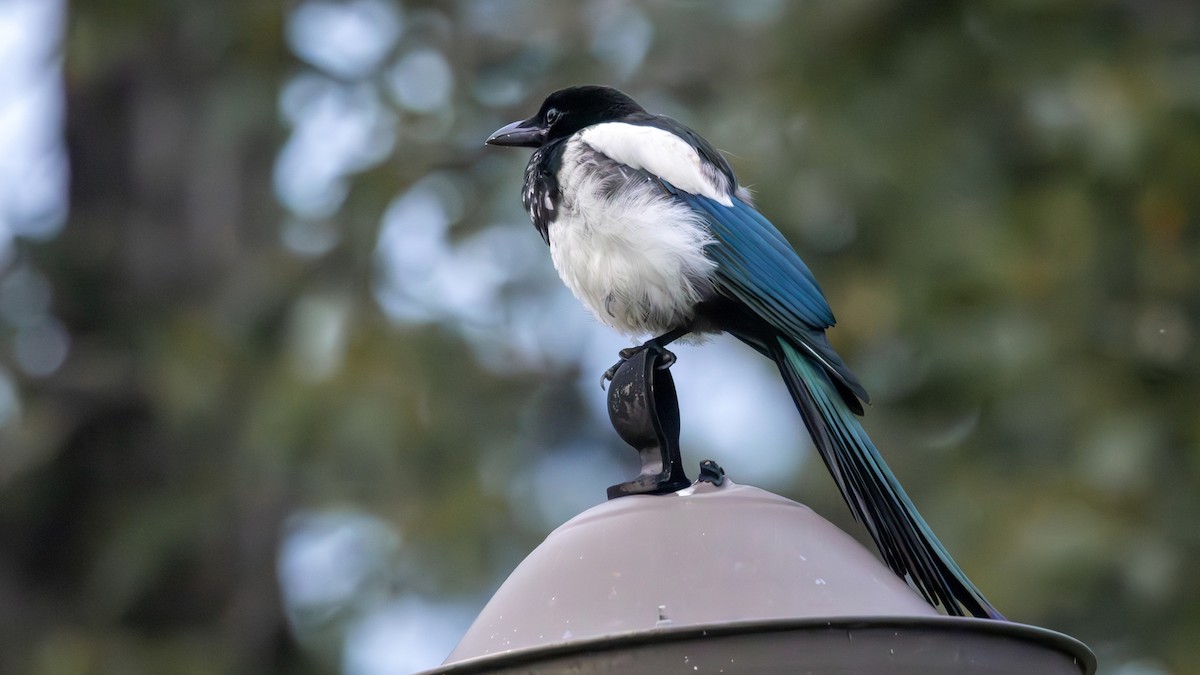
(662, 153)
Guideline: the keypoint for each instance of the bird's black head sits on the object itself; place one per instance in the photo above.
(563, 113)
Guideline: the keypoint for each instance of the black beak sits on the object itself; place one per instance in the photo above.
(523, 134)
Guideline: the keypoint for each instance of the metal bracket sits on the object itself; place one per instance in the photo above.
(644, 410)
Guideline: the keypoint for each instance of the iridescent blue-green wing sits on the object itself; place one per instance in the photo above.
(759, 269)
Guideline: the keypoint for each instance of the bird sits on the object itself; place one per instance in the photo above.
(650, 230)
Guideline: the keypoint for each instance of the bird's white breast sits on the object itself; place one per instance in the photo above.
(632, 255)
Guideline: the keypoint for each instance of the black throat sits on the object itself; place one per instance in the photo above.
(542, 196)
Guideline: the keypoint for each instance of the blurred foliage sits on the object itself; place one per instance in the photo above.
(999, 198)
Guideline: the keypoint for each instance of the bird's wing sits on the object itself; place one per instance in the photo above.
(759, 269)
(666, 149)
(756, 266)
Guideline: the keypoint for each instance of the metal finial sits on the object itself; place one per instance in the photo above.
(644, 410)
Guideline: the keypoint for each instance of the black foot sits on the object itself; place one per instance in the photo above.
(666, 359)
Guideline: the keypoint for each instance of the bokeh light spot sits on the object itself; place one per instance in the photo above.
(422, 81)
(346, 39)
(41, 347)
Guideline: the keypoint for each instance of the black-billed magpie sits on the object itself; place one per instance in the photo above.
(648, 227)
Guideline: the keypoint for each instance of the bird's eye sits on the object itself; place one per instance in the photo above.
(552, 115)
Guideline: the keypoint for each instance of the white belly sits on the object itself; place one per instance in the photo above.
(635, 259)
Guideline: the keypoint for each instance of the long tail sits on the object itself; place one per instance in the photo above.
(907, 543)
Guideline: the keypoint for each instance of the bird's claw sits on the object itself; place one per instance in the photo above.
(608, 375)
(666, 356)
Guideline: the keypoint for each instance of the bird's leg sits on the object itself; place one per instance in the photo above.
(658, 344)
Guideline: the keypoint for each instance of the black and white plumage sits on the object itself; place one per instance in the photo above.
(649, 229)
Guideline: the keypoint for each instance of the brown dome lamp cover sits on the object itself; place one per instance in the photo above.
(715, 577)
